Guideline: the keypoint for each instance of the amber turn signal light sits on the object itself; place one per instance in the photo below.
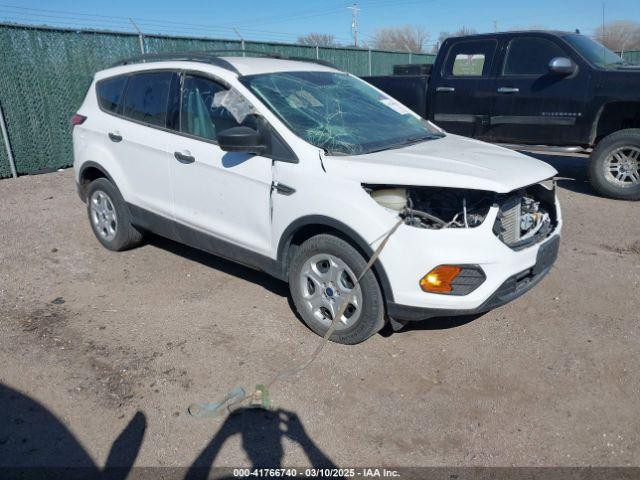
(439, 279)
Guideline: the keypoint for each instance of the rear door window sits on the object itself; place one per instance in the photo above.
(470, 58)
(530, 56)
(110, 92)
(147, 97)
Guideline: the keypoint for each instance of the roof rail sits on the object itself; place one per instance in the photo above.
(203, 57)
(275, 55)
(212, 57)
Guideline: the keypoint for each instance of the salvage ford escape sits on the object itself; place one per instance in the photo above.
(299, 170)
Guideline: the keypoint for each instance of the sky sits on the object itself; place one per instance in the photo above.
(285, 20)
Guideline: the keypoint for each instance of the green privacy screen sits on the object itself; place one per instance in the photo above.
(45, 72)
(632, 57)
(44, 75)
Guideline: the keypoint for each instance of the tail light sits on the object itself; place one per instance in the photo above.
(77, 119)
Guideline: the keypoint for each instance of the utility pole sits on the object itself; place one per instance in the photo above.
(495, 25)
(354, 23)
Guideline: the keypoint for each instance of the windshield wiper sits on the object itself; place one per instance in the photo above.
(408, 141)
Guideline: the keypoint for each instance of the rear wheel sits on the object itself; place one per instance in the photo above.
(109, 217)
(614, 168)
(322, 275)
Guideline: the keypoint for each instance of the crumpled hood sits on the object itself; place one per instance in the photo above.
(452, 161)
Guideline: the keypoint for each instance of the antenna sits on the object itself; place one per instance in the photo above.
(354, 22)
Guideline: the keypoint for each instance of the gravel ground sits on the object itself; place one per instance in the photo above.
(88, 338)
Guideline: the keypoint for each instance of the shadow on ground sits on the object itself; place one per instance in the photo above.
(262, 434)
(35, 443)
(32, 437)
(281, 289)
(436, 323)
(574, 168)
(227, 266)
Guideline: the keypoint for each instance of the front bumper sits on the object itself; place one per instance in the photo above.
(512, 288)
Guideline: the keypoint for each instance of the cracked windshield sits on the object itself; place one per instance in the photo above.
(339, 113)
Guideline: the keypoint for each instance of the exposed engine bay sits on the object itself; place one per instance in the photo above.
(435, 207)
(525, 216)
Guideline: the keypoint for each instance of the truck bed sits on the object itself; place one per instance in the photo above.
(411, 90)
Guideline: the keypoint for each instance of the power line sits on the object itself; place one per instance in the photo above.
(124, 25)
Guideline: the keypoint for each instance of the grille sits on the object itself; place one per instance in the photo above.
(469, 278)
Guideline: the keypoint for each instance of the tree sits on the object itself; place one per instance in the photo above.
(407, 38)
(318, 39)
(461, 32)
(619, 35)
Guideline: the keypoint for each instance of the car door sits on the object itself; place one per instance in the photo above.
(462, 92)
(138, 140)
(534, 105)
(222, 194)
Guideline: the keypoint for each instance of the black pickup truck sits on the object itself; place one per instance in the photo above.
(554, 91)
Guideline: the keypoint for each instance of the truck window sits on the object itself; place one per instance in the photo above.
(470, 58)
(530, 56)
(146, 97)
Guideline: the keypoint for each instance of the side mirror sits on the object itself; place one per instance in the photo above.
(242, 139)
(562, 66)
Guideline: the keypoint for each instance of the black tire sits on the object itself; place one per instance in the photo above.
(125, 235)
(370, 318)
(600, 178)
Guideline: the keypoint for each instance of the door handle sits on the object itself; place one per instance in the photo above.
(445, 89)
(508, 90)
(115, 137)
(184, 157)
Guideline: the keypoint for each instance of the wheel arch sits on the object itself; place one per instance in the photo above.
(306, 227)
(615, 116)
(90, 171)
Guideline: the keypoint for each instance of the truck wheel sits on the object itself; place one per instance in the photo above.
(614, 167)
(109, 217)
(323, 271)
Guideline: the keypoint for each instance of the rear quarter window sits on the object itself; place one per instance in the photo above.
(110, 91)
(147, 97)
(470, 58)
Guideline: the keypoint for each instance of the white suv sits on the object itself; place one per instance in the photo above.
(298, 169)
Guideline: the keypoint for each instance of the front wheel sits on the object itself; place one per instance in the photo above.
(614, 167)
(323, 273)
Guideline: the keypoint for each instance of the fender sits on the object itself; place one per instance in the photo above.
(347, 232)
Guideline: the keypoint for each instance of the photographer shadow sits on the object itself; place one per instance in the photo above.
(34, 443)
(262, 434)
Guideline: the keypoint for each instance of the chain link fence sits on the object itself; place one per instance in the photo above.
(632, 57)
(45, 72)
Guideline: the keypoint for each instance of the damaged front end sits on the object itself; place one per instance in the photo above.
(525, 216)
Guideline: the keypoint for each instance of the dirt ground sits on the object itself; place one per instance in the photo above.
(88, 338)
